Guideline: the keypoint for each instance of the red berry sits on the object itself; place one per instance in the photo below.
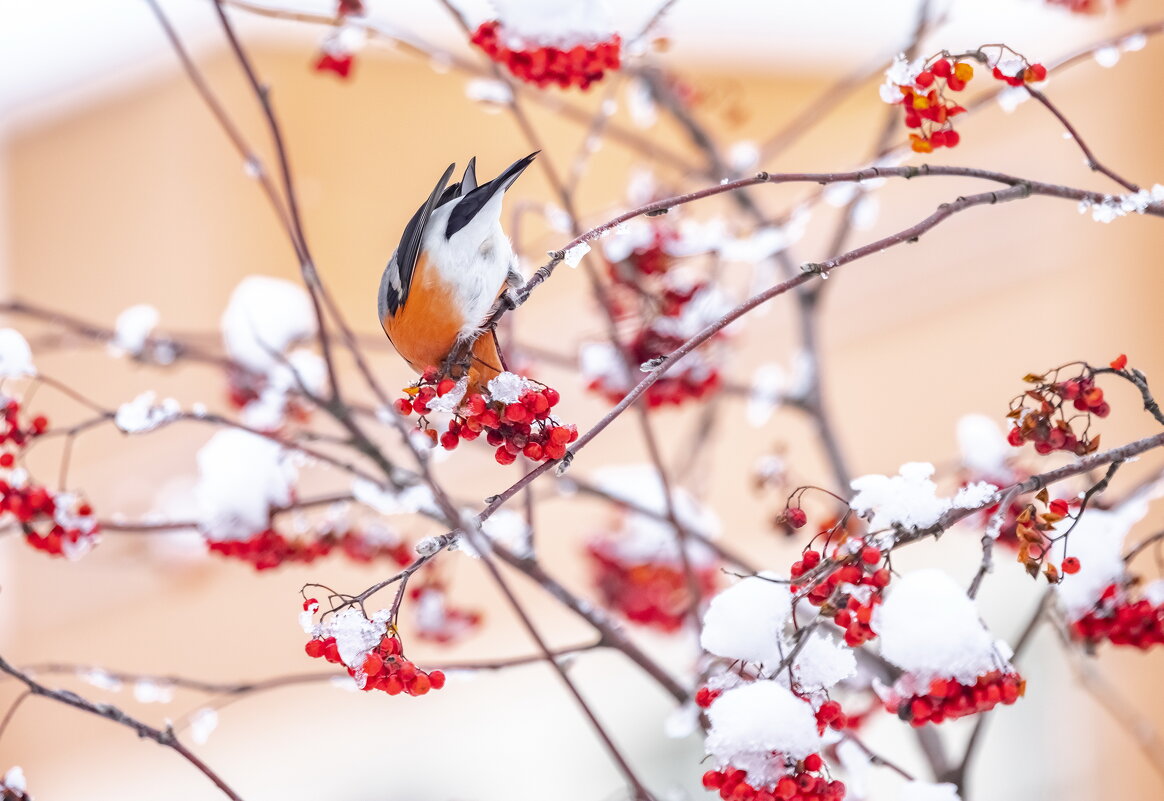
(1070, 565)
(314, 648)
(870, 555)
(942, 68)
(503, 456)
(795, 517)
(813, 762)
(437, 679)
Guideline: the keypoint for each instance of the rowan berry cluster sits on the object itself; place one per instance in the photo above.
(269, 549)
(650, 592)
(947, 699)
(1020, 75)
(546, 65)
(245, 388)
(514, 416)
(1033, 532)
(383, 667)
(1122, 620)
(663, 308)
(436, 620)
(1048, 421)
(851, 589)
(830, 716)
(804, 783)
(928, 110)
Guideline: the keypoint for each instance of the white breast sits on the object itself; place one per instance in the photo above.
(474, 262)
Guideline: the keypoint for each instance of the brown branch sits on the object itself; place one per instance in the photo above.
(161, 737)
(1092, 162)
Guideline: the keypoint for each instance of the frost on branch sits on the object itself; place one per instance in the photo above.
(952, 667)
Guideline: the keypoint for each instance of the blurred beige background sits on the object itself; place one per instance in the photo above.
(131, 196)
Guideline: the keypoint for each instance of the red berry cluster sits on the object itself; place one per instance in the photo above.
(705, 696)
(269, 549)
(650, 593)
(1122, 621)
(804, 783)
(543, 66)
(524, 427)
(948, 699)
(830, 715)
(847, 610)
(653, 258)
(927, 109)
(385, 666)
(1046, 422)
(59, 525)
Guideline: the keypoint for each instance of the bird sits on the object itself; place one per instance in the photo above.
(453, 265)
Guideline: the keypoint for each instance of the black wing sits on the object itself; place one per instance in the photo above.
(474, 200)
(398, 274)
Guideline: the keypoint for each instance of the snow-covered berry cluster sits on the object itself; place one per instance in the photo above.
(921, 88)
(951, 667)
(651, 590)
(1122, 619)
(372, 653)
(661, 308)
(1048, 414)
(513, 414)
(545, 65)
(435, 619)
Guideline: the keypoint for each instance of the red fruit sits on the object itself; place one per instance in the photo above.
(1119, 362)
(828, 712)
(516, 413)
(39, 424)
(437, 679)
(551, 395)
(308, 603)
(1070, 565)
(811, 559)
(1058, 507)
(1015, 437)
(372, 663)
(712, 780)
(449, 440)
(942, 68)
(953, 138)
(7, 460)
(813, 762)
(880, 578)
(420, 685)
(314, 648)
(956, 84)
(795, 517)
(534, 452)
(503, 456)
(870, 555)
(924, 78)
(445, 386)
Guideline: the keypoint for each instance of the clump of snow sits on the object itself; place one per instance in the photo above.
(744, 156)
(528, 23)
(202, 724)
(751, 722)
(765, 394)
(15, 355)
(355, 635)
(925, 791)
(264, 317)
(902, 72)
(746, 621)
(983, 446)
(930, 628)
(509, 387)
(452, 399)
(908, 499)
(241, 476)
(133, 327)
(14, 780)
(1107, 57)
(301, 369)
(1097, 542)
(823, 662)
(975, 496)
(429, 545)
(148, 691)
(574, 254)
(143, 413)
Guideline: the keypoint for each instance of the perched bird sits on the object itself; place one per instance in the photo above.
(453, 264)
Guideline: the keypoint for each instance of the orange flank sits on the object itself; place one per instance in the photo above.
(425, 329)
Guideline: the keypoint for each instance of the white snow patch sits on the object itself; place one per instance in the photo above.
(925, 791)
(982, 444)
(241, 476)
(264, 317)
(143, 413)
(15, 355)
(1098, 543)
(133, 327)
(750, 722)
(746, 621)
(202, 724)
